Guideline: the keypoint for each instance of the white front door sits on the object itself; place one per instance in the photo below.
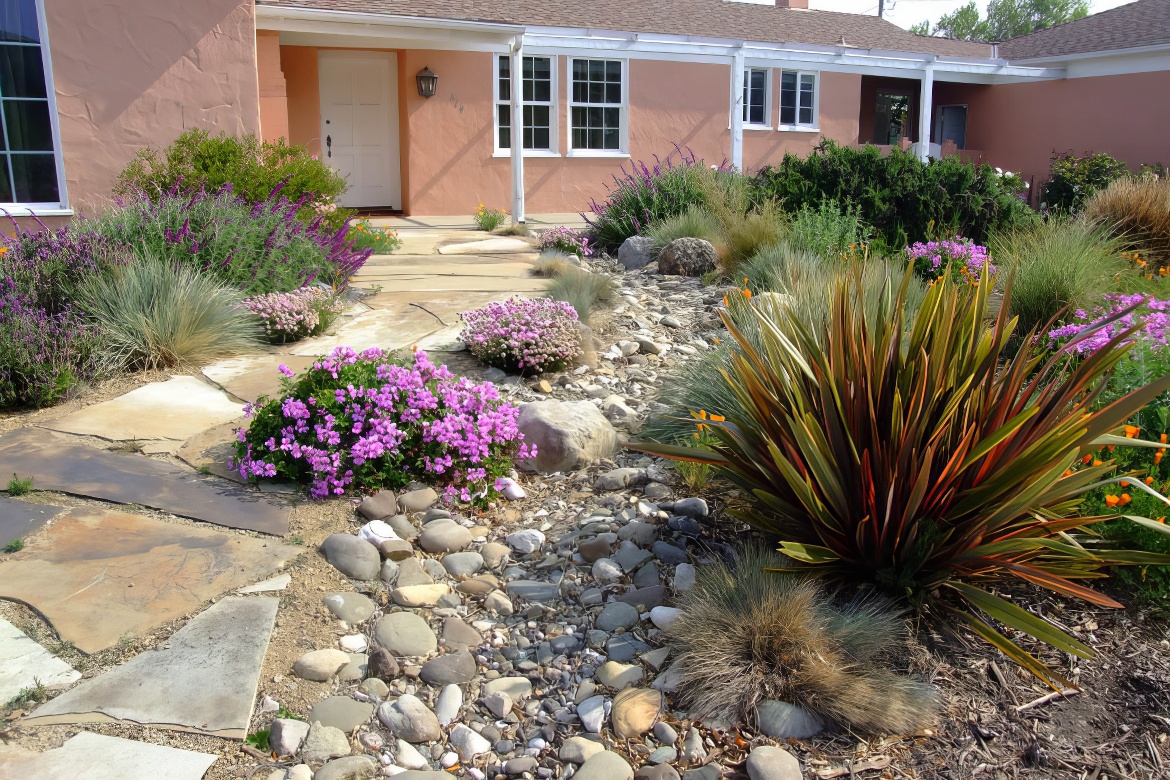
(359, 125)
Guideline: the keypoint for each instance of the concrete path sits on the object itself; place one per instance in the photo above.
(96, 757)
(25, 664)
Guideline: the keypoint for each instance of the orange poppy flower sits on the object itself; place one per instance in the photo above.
(1149, 480)
(1087, 459)
(1098, 463)
(1162, 519)
(1131, 431)
(1111, 500)
(747, 294)
(1162, 438)
(1125, 499)
(1158, 457)
(718, 418)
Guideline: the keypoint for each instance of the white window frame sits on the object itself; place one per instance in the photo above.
(747, 80)
(61, 207)
(798, 126)
(623, 150)
(553, 103)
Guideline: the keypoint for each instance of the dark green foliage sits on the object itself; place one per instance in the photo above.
(16, 545)
(1073, 180)
(198, 160)
(1005, 19)
(902, 198)
(18, 486)
(258, 740)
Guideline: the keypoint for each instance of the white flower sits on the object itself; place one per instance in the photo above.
(999, 171)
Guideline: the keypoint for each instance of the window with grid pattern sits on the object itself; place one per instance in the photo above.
(798, 98)
(28, 160)
(537, 99)
(755, 96)
(597, 105)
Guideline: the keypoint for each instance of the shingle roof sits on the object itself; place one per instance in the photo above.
(1144, 23)
(714, 18)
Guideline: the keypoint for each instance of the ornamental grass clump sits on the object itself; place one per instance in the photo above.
(294, 315)
(360, 422)
(523, 335)
(927, 456)
(755, 629)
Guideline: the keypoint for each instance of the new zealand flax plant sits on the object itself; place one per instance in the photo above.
(924, 454)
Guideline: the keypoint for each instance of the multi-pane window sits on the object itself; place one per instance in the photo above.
(597, 105)
(537, 99)
(798, 91)
(755, 96)
(28, 163)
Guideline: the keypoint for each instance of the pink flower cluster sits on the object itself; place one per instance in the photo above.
(363, 421)
(1151, 315)
(963, 258)
(525, 335)
(565, 239)
(289, 316)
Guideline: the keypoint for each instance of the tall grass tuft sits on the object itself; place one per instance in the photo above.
(748, 633)
(156, 314)
(1138, 211)
(693, 222)
(1059, 266)
(827, 230)
(749, 234)
(581, 289)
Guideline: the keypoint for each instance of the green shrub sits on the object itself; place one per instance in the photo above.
(255, 169)
(489, 219)
(827, 230)
(904, 199)
(1057, 266)
(18, 486)
(379, 240)
(929, 459)
(695, 221)
(155, 314)
(581, 289)
(14, 546)
(1073, 180)
(1137, 210)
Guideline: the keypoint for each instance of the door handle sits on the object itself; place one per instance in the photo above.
(329, 146)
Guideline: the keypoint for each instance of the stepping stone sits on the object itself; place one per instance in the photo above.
(176, 409)
(487, 245)
(95, 757)
(58, 464)
(18, 519)
(388, 329)
(251, 376)
(267, 586)
(203, 679)
(24, 663)
(212, 451)
(98, 575)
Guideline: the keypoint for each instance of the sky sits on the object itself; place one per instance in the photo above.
(907, 12)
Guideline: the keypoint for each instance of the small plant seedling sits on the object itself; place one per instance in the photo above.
(34, 695)
(16, 545)
(258, 740)
(295, 539)
(284, 713)
(18, 486)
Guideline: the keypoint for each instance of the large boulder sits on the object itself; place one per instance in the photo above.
(567, 435)
(636, 252)
(688, 257)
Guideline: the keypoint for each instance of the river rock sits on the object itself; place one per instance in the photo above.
(637, 252)
(518, 688)
(341, 712)
(286, 735)
(615, 615)
(351, 607)
(379, 506)
(578, 750)
(664, 617)
(462, 564)
(444, 536)
(591, 713)
(410, 719)
(781, 720)
(634, 711)
(376, 531)
(352, 556)
(688, 257)
(767, 762)
(605, 765)
(453, 668)
(497, 601)
(467, 742)
(324, 743)
(396, 550)
(567, 435)
(382, 665)
(348, 768)
(417, 500)
(419, 595)
(495, 554)
(320, 665)
(405, 634)
(448, 704)
(525, 541)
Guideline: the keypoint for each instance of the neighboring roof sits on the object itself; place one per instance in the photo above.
(710, 18)
(1144, 23)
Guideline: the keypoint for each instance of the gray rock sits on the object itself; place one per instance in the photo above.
(410, 719)
(693, 750)
(379, 506)
(629, 556)
(373, 686)
(684, 577)
(320, 665)
(434, 513)
(286, 735)
(662, 755)
(773, 763)
(351, 607)
(396, 550)
(655, 491)
(668, 553)
(411, 572)
(499, 703)
(463, 564)
(389, 572)
(615, 615)
(324, 743)
(467, 743)
(348, 768)
(688, 257)
(444, 536)
(448, 704)
(625, 647)
(605, 766)
(457, 633)
(592, 714)
(341, 712)
(647, 576)
(645, 598)
(516, 687)
(710, 772)
(578, 750)
(497, 601)
(403, 527)
(594, 549)
(782, 720)
(660, 772)
(685, 525)
(615, 409)
(520, 765)
(638, 532)
(382, 665)
(535, 591)
(409, 756)
(526, 540)
(405, 634)
(616, 479)
(605, 571)
(355, 670)
(567, 435)
(637, 252)
(417, 500)
(656, 658)
(691, 507)
(664, 733)
(453, 668)
(352, 556)
(495, 554)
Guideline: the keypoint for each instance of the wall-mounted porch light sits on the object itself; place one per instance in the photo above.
(428, 82)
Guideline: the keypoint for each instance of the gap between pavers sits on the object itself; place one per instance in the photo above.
(203, 680)
(18, 519)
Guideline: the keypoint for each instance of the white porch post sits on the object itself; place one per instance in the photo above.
(517, 133)
(737, 109)
(925, 111)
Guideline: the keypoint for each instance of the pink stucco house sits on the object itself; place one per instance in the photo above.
(85, 83)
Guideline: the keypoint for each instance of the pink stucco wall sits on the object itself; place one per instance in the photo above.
(1017, 126)
(447, 147)
(135, 73)
(273, 89)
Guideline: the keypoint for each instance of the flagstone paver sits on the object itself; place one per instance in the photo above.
(279, 582)
(203, 680)
(18, 519)
(98, 575)
(388, 329)
(176, 409)
(251, 376)
(89, 756)
(25, 664)
(56, 463)
(487, 246)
